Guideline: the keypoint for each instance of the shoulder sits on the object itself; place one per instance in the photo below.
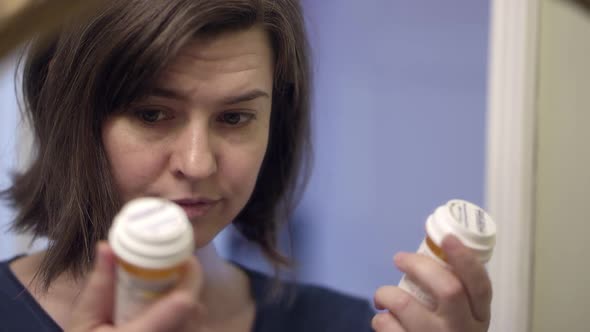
(18, 310)
(330, 309)
(9, 284)
(306, 307)
(325, 299)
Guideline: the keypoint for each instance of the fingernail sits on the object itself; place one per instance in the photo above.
(102, 255)
(399, 259)
(378, 306)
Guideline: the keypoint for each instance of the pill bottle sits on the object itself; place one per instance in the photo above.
(152, 239)
(466, 221)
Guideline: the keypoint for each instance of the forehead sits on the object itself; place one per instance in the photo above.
(231, 59)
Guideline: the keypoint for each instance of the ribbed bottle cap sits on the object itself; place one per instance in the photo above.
(468, 222)
(152, 233)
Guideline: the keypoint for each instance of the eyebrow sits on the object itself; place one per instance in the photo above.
(230, 100)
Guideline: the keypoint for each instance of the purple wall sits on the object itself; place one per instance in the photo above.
(400, 96)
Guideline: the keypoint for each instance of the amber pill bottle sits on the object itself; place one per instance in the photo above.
(152, 239)
(465, 220)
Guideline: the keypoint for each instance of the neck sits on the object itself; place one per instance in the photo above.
(226, 289)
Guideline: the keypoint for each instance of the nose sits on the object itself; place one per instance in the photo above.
(193, 156)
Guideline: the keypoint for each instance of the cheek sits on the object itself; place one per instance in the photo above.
(241, 168)
(132, 164)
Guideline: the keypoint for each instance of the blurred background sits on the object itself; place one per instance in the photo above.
(403, 123)
(399, 111)
(400, 98)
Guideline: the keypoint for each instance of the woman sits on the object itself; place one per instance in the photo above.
(204, 103)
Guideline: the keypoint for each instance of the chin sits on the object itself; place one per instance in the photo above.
(203, 238)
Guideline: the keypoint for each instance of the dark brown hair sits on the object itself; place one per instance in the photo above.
(584, 3)
(92, 68)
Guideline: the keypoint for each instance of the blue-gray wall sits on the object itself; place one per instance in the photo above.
(8, 123)
(400, 110)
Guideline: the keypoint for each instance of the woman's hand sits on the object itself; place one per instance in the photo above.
(463, 294)
(174, 312)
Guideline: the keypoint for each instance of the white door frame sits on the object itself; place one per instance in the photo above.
(511, 158)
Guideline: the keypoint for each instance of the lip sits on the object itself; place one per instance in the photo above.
(196, 207)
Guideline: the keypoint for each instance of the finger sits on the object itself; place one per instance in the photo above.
(385, 322)
(178, 308)
(472, 274)
(192, 278)
(407, 311)
(96, 300)
(192, 283)
(446, 288)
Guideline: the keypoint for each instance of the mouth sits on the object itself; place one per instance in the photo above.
(196, 207)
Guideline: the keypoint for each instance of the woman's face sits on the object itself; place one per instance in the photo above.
(199, 139)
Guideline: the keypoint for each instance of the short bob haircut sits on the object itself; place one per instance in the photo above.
(92, 68)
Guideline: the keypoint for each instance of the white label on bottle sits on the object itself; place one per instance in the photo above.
(410, 286)
(134, 294)
(470, 217)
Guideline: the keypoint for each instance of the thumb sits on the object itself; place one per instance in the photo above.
(95, 304)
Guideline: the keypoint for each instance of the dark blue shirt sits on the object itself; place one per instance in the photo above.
(298, 307)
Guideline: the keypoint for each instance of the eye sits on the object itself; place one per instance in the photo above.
(151, 116)
(235, 118)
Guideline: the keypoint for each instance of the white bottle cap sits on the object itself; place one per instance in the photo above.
(468, 222)
(152, 233)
